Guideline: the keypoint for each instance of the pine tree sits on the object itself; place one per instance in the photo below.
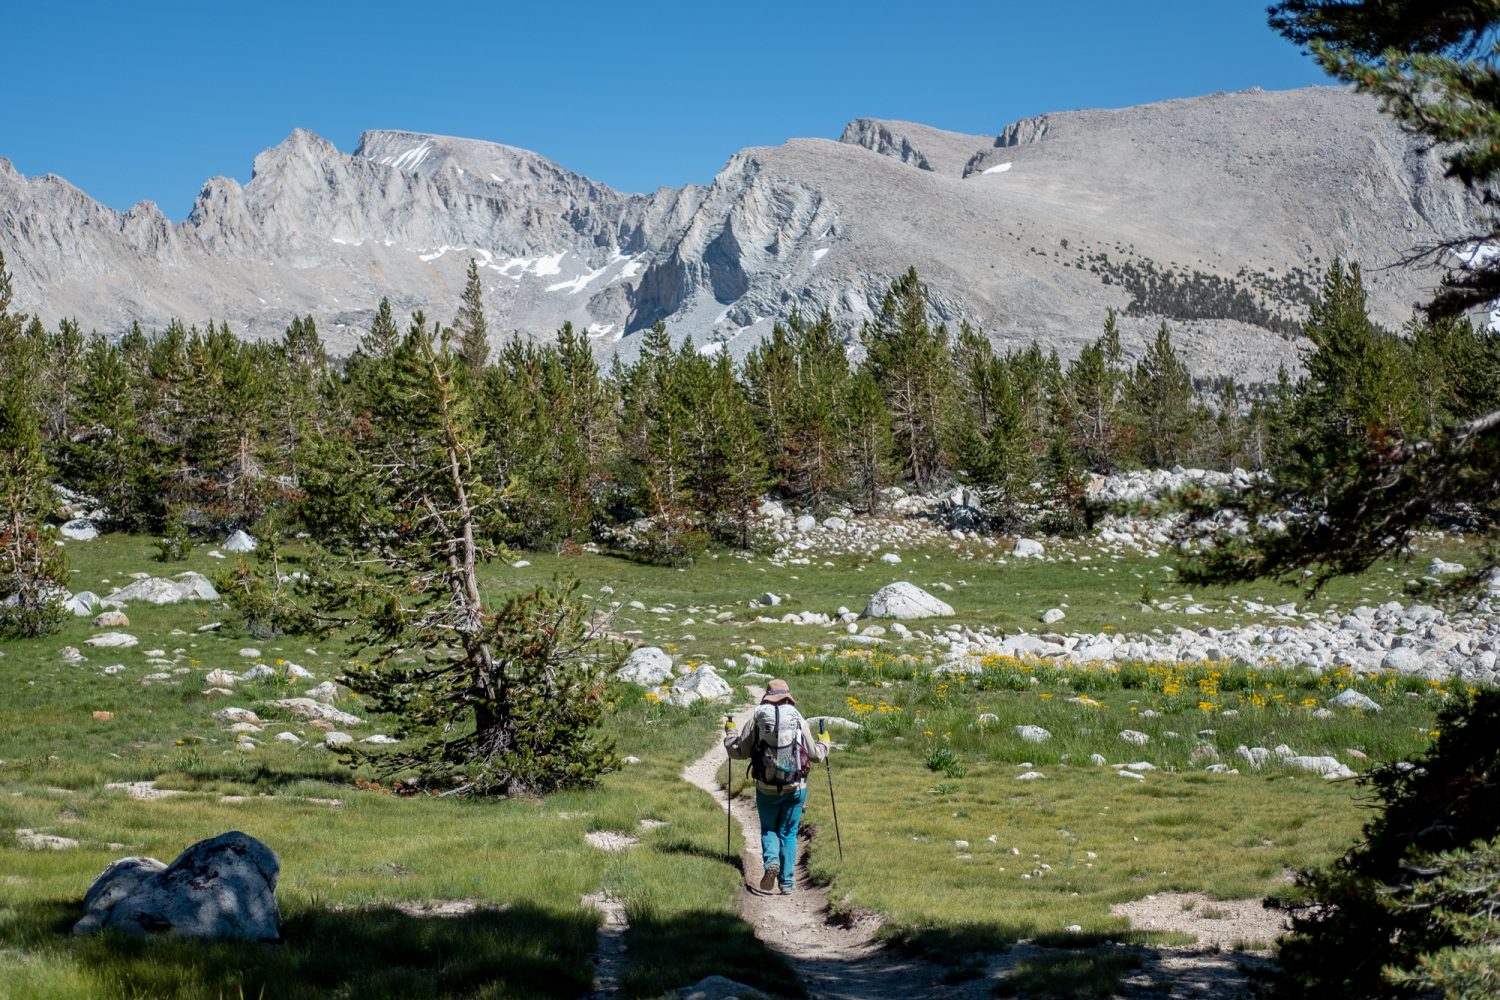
(1356, 445)
(911, 362)
(302, 400)
(1457, 368)
(731, 471)
(1162, 394)
(383, 337)
(587, 409)
(1359, 388)
(472, 330)
(515, 417)
(368, 373)
(1230, 427)
(228, 453)
(33, 571)
(869, 441)
(977, 392)
(1092, 404)
(655, 450)
(551, 415)
(61, 373)
(1006, 462)
(502, 699)
(107, 456)
(797, 381)
(772, 382)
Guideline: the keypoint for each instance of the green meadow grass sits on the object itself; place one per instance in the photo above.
(356, 876)
(942, 838)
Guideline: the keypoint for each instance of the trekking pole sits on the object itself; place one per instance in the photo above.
(728, 796)
(833, 802)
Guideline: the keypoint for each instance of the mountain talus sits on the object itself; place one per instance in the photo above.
(1216, 213)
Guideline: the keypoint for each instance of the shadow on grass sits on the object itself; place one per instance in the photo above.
(521, 952)
(669, 952)
(957, 944)
(691, 849)
(214, 775)
(954, 944)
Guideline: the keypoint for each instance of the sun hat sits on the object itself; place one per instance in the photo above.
(777, 692)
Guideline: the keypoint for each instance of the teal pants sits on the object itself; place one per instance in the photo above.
(779, 817)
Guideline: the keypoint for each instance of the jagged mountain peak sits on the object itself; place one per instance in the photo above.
(470, 161)
(915, 144)
(1184, 210)
(300, 146)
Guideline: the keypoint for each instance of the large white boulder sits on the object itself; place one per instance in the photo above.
(1027, 548)
(83, 604)
(327, 692)
(648, 666)
(151, 590)
(903, 600)
(187, 586)
(307, 708)
(1351, 698)
(239, 542)
(1326, 766)
(963, 496)
(1403, 659)
(1033, 734)
(195, 587)
(219, 888)
(832, 722)
(79, 530)
(110, 640)
(703, 683)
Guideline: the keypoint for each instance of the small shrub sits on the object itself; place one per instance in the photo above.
(176, 541)
(942, 757)
(33, 575)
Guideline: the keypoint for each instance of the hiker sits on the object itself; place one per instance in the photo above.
(780, 746)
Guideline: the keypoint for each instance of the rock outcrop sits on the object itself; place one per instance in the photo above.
(219, 888)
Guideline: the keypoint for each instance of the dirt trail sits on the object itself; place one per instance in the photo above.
(834, 962)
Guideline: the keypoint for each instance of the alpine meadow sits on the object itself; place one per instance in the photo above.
(1060, 562)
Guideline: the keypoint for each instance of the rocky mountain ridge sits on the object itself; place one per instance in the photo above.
(1215, 213)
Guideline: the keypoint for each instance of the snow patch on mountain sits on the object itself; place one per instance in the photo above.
(409, 160)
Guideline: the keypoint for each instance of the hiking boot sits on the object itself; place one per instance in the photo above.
(786, 889)
(768, 880)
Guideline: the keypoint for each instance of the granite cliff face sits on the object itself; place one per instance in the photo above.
(1216, 212)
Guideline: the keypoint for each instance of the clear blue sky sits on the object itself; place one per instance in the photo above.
(134, 101)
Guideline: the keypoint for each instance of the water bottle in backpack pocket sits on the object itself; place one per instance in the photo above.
(780, 757)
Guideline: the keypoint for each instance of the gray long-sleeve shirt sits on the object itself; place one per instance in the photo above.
(741, 746)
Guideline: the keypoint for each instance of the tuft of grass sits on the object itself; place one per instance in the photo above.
(942, 757)
(1077, 974)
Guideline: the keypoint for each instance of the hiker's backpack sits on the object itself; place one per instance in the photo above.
(780, 757)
